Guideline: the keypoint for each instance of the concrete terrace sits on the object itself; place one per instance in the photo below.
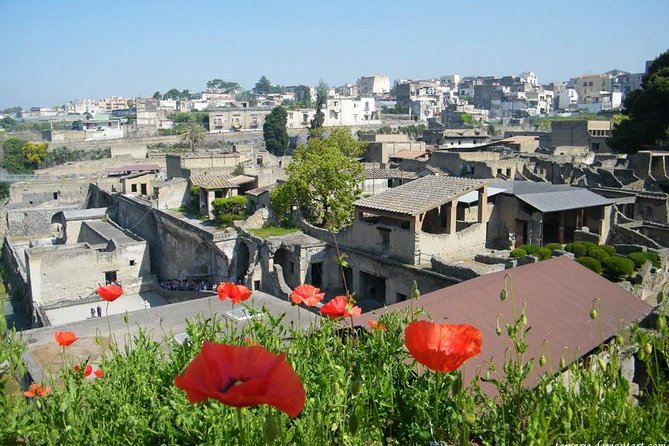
(43, 355)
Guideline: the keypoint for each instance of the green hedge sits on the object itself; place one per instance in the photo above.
(590, 263)
(617, 267)
(231, 205)
(544, 253)
(553, 246)
(518, 252)
(639, 258)
(598, 254)
(530, 249)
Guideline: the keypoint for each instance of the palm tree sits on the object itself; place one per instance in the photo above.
(193, 135)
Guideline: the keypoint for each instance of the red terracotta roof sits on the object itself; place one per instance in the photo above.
(559, 294)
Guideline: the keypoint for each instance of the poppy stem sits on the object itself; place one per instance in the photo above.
(108, 323)
(242, 438)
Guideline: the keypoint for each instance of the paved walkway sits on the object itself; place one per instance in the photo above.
(80, 312)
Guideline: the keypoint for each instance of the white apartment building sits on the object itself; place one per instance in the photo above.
(81, 106)
(350, 111)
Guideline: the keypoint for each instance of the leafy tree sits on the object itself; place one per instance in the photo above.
(12, 110)
(324, 177)
(647, 111)
(193, 135)
(274, 131)
(235, 205)
(7, 123)
(13, 159)
(303, 96)
(157, 96)
(34, 153)
(263, 86)
(231, 87)
(185, 94)
(172, 94)
(321, 103)
(131, 103)
(196, 117)
(244, 96)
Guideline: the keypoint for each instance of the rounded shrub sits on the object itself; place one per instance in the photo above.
(530, 249)
(610, 250)
(591, 264)
(553, 246)
(654, 258)
(579, 249)
(639, 258)
(569, 247)
(544, 253)
(598, 254)
(518, 252)
(617, 267)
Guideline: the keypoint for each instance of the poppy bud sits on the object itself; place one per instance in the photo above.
(415, 293)
(353, 424)
(270, 429)
(502, 295)
(497, 329)
(356, 386)
(125, 318)
(456, 387)
(562, 363)
(641, 355)
(469, 417)
(593, 314)
(661, 323)
(523, 318)
(648, 348)
(602, 363)
(542, 360)
(596, 388)
(177, 421)
(660, 297)
(570, 413)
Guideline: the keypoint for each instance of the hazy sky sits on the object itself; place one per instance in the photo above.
(53, 51)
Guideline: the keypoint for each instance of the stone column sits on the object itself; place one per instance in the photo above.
(483, 205)
(561, 227)
(453, 216)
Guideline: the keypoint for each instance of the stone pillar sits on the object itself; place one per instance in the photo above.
(561, 227)
(483, 205)
(453, 216)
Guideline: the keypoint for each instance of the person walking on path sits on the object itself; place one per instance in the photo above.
(92, 312)
(99, 311)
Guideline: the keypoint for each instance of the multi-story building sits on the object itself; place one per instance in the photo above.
(371, 86)
(591, 85)
(81, 106)
(350, 111)
(113, 103)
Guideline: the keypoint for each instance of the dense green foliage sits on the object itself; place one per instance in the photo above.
(553, 246)
(194, 117)
(324, 178)
(617, 268)
(321, 103)
(530, 249)
(646, 112)
(231, 87)
(544, 253)
(264, 86)
(14, 159)
(275, 133)
(598, 254)
(361, 390)
(274, 231)
(518, 252)
(590, 263)
(639, 258)
(230, 205)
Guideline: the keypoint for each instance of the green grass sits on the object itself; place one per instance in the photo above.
(361, 390)
(273, 231)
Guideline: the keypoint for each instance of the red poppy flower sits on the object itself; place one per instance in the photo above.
(99, 373)
(375, 325)
(88, 370)
(65, 338)
(340, 306)
(306, 294)
(109, 292)
(236, 293)
(36, 390)
(242, 376)
(442, 347)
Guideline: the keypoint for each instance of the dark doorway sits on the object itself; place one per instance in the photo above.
(317, 274)
(521, 232)
(110, 277)
(372, 287)
(243, 259)
(142, 188)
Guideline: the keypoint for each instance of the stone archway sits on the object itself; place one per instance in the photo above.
(289, 264)
(243, 261)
